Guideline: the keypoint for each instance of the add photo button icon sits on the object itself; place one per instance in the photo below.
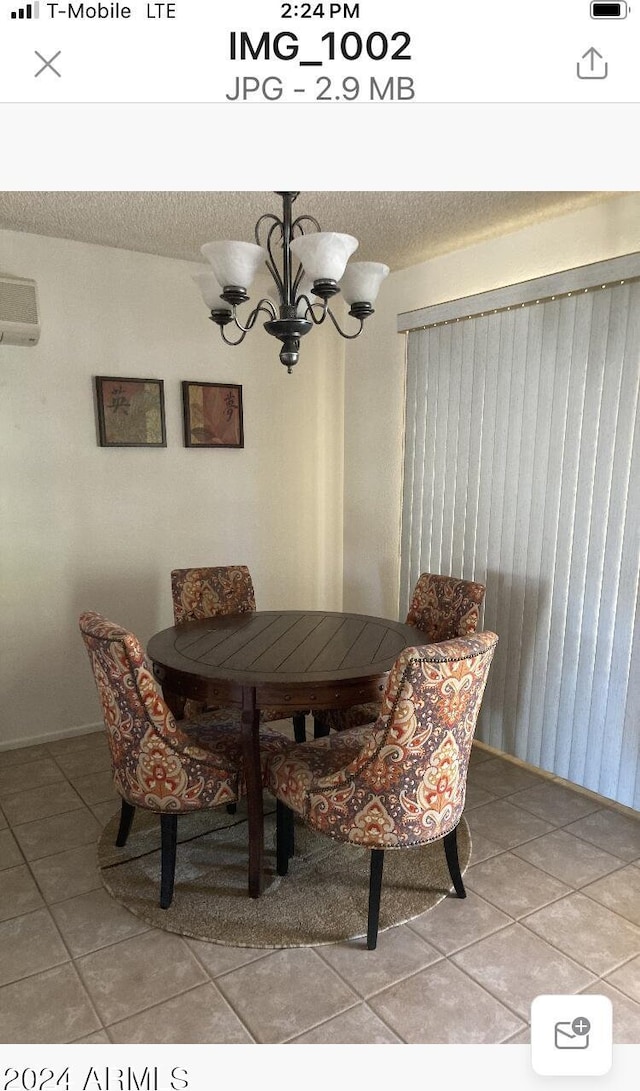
(571, 1035)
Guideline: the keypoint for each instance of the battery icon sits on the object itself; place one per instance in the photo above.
(608, 11)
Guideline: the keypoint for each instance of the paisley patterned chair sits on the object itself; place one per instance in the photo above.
(442, 608)
(211, 592)
(398, 782)
(156, 764)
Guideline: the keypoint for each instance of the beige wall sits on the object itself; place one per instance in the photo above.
(374, 376)
(85, 527)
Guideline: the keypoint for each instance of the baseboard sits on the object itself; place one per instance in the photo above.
(39, 740)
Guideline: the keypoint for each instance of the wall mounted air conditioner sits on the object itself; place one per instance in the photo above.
(19, 315)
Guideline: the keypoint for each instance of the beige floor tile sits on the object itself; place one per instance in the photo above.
(289, 992)
(49, 1007)
(555, 803)
(41, 803)
(611, 831)
(68, 873)
(98, 1038)
(476, 796)
(24, 778)
(97, 787)
(588, 932)
(219, 959)
(478, 755)
(94, 920)
(442, 1005)
(73, 743)
(620, 892)
(310, 996)
(569, 858)
(400, 952)
(18, 893)
(357, 1026)
(81, 763)
(483, 848)
(505, 824)
(104, 812)
(515, 966)
(522, 1038)
(626, 1014)
(627, 979)
(21, 755)
(29, 944)
(200, 1015)
(456, 922)
(57, 833)
(10, 854)
(513, 885)
(502, 778)
(139, 972)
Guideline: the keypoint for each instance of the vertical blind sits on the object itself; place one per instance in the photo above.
(522, 471)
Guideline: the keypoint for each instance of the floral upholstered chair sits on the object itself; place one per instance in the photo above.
(210, 592)
(442, 608)
(156, 764)
(398, 782)
(199, 593)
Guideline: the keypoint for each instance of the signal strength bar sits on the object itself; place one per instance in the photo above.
(29, 11)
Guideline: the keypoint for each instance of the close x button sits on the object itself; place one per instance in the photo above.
(47, 65)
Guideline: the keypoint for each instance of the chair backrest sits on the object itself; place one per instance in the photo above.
(443, 607)
(407, 785)
(207, 592)
(137, 719)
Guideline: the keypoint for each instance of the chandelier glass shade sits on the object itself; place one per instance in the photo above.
(308, 266)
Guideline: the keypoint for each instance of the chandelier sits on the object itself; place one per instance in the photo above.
(309, 266)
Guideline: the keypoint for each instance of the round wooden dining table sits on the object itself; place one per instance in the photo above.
(289, 659)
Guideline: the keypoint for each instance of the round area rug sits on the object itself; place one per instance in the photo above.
(323, 899)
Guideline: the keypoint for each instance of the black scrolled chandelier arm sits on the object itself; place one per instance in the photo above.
(347, 336)
(276, 225)
(311, 309)
(265, 306)
(328, 313)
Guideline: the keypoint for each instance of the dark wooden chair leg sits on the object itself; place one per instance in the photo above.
(299, 727)
(284, 837)
(169, 841)
(375, 886)
(451, 852)
(232, 808)
(319, 729)
(127, 811)
(291, 845)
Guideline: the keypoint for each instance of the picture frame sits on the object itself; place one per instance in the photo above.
(130, 412)
(212, 414)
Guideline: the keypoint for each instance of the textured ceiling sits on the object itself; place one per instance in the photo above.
(400, 228)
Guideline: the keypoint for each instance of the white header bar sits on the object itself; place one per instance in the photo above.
(345, 54)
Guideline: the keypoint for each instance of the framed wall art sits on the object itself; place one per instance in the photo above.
(212, 415)
(130, 412)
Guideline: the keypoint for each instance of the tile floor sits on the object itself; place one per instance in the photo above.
(553, 906)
